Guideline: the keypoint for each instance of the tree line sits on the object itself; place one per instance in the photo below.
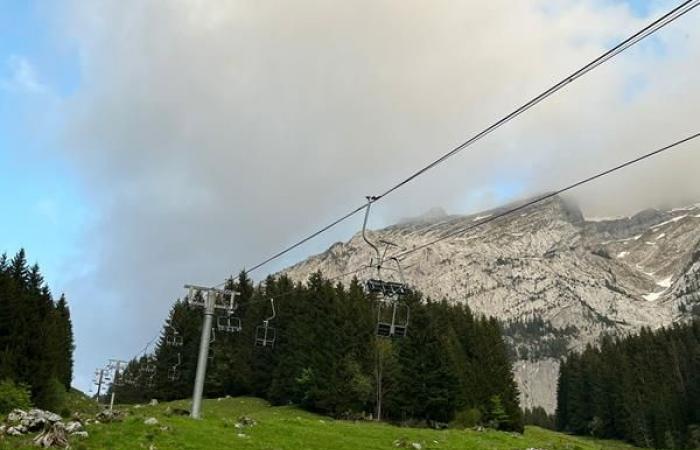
(36, 337)
(643, 388)
(535, 338)
(327, 357)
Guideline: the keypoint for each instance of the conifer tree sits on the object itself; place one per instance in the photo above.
(36, 341)
(64, 338)
(642, 388)
(327, 357)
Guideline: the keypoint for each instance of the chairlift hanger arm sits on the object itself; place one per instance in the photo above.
(370, 200)
(274, 313)
(232, 302)
(398, 265)
(386, 248)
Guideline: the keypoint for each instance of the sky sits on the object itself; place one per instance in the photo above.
(145, 145)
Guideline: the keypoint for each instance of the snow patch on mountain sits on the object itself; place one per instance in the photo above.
(652, 296)
(675, 219)
(666, 282)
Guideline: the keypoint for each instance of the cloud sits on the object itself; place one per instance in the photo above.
(210, 134)
(22, 77)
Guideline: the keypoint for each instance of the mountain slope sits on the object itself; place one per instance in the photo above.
(581, 277)
(248, 423)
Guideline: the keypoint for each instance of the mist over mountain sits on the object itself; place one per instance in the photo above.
(557, 280)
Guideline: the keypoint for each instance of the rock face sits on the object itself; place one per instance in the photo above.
(557, 280)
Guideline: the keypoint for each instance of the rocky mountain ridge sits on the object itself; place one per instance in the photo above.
(557, 280)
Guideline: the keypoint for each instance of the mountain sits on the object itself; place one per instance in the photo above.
(556, 280)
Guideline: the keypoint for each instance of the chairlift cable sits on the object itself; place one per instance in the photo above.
(501, 215)
(145, 348)
(291, 291)
(549, 195)
(525, 205)
(630, 41)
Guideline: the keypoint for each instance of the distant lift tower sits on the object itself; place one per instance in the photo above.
(115, 366)
(210, 300)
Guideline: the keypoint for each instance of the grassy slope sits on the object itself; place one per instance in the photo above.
(78, 401)
(292, 429)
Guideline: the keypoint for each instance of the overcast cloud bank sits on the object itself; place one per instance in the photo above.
(210, 134)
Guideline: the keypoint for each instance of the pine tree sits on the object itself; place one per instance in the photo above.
(18, 268)
(64, 339)
(35, 334)
(642, 388)
(327, 356)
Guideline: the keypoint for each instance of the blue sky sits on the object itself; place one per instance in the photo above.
(43, 209)
(640, 7)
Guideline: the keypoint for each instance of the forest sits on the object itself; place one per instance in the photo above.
(327, 358)
(535, 338)
(36, 337)
(643, 388)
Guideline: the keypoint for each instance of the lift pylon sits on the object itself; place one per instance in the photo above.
(210, 300)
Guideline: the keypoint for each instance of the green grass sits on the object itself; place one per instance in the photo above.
(77, 401)
(289, 428)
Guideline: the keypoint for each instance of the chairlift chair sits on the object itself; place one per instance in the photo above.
(386, 288)
(173, 374)
(174, 371)
(194, 297)
(265, 335)
(392, 319)
(228, 324)
(392, 314)
(173, 338)
(121, 378)
(148, 369)
(231, 307)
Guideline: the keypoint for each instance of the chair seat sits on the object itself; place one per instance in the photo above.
(384, 329)
(386, 288)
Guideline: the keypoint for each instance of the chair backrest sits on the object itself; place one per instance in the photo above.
(228, 324)
(235, 324)
(265, 335)
(393, 319)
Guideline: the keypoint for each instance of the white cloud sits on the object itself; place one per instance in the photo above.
(22, 77)
(210, 134)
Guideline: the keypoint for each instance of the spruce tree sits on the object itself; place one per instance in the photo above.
(328, 358)
(35, 335)
(66, 346)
